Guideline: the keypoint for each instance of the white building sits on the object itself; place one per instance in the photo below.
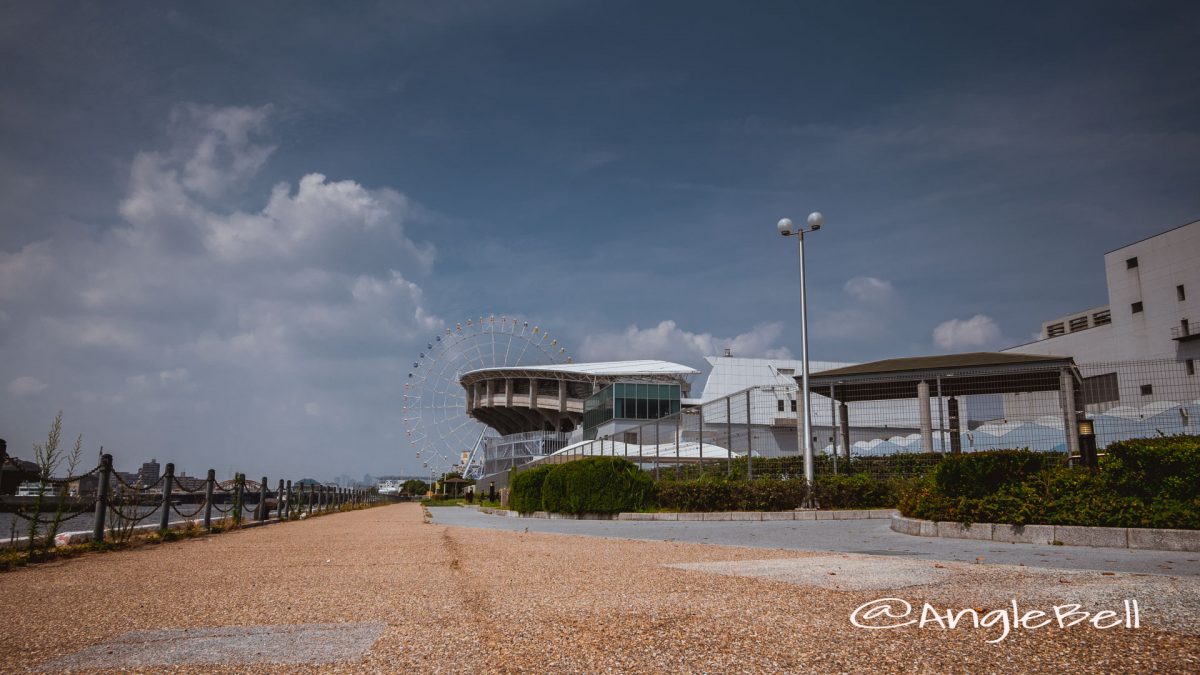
(1153, 314)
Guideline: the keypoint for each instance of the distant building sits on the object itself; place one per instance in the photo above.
(149, 473)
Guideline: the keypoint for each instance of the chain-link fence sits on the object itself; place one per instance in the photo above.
(903, 423)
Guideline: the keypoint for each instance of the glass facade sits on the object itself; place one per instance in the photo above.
(630, 401)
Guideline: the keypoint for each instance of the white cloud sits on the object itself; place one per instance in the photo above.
(26, 385)
(311, 408)
(668, 341)
(870, 289)
(227, 317)
(979, 331)
(223, 155)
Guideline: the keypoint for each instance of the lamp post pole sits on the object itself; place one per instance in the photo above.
(804, 423)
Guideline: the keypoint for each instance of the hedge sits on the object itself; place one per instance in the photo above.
(786, 468)
(768, 494)
(525, 489)
(596, 485)
(1141, 483)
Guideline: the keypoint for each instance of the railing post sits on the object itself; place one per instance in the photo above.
(239, 491)
(289, 504)
(164, 520)
(279, 501)
(209, 484)
(102, 498)
(311, 496)
(262, 501)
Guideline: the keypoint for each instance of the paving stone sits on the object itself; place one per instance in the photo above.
(308, 644)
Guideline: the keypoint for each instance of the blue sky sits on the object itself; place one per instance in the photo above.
(227, 227)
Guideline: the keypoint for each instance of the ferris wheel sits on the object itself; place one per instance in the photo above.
(437, 429)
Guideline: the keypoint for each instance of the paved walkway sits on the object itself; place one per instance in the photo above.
(871, 537)
(381, 591)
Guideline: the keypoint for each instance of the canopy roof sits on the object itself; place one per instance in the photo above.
(658, 371)
(957, 374)
(606, 368)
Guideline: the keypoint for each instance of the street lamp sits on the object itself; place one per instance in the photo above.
(804, 427)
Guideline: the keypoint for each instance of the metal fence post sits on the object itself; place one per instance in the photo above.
(729, 435)
(208, 498)
(262, 500)
(749, 440)
(657, 448)
(102, 497)
(164, 520)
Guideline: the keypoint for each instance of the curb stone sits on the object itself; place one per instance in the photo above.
(1147, 538)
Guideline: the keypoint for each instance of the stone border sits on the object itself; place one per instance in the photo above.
(1067, 535)
(754, 516)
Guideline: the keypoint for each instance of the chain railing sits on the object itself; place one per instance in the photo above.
(120, 506)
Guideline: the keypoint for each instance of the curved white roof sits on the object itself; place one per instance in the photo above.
(606, 368)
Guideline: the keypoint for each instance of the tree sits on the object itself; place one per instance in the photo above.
(414, 487)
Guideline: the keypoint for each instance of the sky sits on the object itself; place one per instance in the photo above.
(227, 229)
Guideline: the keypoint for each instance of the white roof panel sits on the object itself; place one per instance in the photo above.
(607, 368)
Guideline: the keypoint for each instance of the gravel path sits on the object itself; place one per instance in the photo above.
(454, 599)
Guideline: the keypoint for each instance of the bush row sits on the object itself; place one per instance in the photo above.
(784, 468)
(611, 485)
(1141, 483)
(768, 494)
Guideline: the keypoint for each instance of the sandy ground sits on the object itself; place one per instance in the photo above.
(458, 599)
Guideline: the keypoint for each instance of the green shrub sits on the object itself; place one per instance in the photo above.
(525, 489)
(596, 485)
(982, 473)
(1141, 483)
(856, 491)
(1167, 467)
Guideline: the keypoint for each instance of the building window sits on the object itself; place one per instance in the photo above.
(1101, 389)
(1131, 263)
(1191, 366)
(780, 404)
(1136, 307)
(787, 371)
(1179, 294)
(1055, 329)
(793, 406)
(1183, 327)
(1147, 389)
(1102, 318)
(1078, 323)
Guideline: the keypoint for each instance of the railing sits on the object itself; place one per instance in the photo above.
(120, 506)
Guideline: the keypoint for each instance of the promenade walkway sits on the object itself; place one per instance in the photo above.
(378, 590)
